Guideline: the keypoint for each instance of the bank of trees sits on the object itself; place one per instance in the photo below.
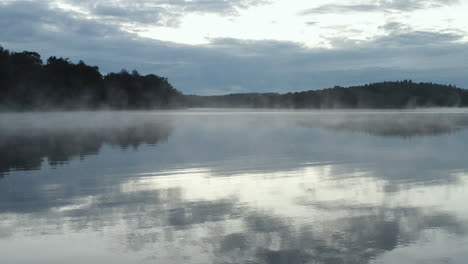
(385, 95)
(26, 83)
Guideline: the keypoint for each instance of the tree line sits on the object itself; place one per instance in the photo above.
(383, 95)
(27, 83)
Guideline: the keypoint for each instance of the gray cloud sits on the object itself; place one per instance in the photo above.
(379, 6)
(232, 65)
(311, 23)
(138, 14)
(418, 38)
(394, 27)
(25, 20)
(160, 12)
(215, 6)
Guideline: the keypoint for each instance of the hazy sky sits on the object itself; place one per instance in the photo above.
(225, 46)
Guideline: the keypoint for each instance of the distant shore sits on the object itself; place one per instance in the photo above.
(29, 84)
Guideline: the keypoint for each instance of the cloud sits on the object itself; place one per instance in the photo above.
(418, 38)
(137, 14)
(379, 6)
(215, 6)
(394, 27)
(25, 20)
(231, 65)
(160, 12)
(311, 23)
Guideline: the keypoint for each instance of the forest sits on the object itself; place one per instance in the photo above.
(28, 83)
(383, 95)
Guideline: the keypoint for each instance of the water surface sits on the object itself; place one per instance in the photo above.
(212, 186)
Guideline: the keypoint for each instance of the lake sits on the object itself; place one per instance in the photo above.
(234, 186)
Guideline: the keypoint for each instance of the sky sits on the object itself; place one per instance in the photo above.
(236, 46)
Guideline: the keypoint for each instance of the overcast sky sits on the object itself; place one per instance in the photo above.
(231, 46)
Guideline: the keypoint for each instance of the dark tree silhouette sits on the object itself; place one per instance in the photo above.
(384, 95)
(26, 83)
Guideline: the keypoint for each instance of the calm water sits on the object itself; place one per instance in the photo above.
(234, 187)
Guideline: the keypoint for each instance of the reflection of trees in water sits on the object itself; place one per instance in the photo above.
(26, 150)
(391, 124)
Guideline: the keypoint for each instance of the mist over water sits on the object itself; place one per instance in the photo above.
(234, 186)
